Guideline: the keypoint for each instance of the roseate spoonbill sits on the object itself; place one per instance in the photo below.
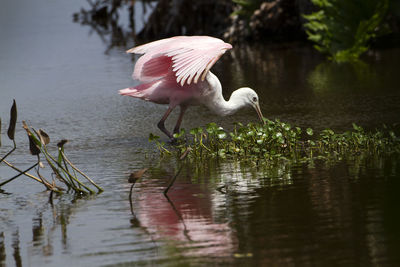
(176, 71)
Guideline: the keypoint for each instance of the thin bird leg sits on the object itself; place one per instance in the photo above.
(161, 125)
(179, 121)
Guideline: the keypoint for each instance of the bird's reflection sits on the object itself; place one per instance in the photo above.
(197, 211)
(185, 214)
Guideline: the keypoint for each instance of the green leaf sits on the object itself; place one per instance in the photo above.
(31, 135)
(309, 131)
(250, 133)
(153, 137)
(180, 134)
(196, 130)
(34, 149)
(211, 127)
(221, 135)
(44, 137)
(357, 128)
(222, 153)
(13, 121)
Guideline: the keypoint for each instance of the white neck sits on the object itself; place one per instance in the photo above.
(223, 108)
(216, 102)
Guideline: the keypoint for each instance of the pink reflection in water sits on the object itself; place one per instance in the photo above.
(186, 216)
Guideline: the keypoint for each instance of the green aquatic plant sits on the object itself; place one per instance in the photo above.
(63, 169)
(343, 29)
(276, 140)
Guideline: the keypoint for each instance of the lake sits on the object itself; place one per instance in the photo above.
(65, 78)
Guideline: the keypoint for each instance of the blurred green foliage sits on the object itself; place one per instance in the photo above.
(342, 28)
(247, 7)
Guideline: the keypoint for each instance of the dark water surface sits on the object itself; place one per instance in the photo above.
(65, 78)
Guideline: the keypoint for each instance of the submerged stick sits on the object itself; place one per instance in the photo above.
(44, 181)
(84, 175)
(133, 178)
(49, 157)
(66, 168)
(18, 175)
(59, 189)
(11, 151)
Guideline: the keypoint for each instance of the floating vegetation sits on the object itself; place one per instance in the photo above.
(63, 169)
(276, 140)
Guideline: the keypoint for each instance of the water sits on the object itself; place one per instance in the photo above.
(65, 78)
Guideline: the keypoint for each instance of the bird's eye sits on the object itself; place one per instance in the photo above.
(254, 99)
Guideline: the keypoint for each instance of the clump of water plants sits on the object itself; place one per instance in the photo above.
(63, 169)
(276, 140)
(342, 29)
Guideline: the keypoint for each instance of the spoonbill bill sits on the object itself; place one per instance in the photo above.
(176, 71)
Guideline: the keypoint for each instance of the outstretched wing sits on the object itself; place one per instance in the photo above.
(188, 58)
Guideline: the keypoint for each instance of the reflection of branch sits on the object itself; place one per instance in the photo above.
(165, 19)
(103, 19)
(2, 249)
(130, 199)
(135, 221)
(43, 233)
(15, 245)
(172, 181)
(219, 189)
(179, 215)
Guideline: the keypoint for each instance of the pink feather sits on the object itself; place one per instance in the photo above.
(184, 57)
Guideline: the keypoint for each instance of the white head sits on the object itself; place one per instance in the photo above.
(246, 96)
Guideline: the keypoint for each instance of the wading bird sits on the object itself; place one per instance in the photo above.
(176, 71)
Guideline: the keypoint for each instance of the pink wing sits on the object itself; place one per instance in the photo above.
(186, 57)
